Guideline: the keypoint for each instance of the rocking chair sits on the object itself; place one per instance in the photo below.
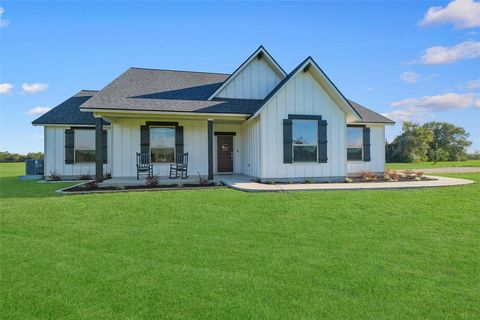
(180, 166)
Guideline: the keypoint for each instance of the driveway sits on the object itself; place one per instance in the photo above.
(449, 170)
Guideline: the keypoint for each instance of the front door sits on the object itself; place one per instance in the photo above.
(225, 154)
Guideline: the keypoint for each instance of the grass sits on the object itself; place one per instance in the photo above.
(224, 254)
(431, 165)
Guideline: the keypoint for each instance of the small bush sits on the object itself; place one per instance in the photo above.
(85, 176)
(92, 185)
(309, 181)
(391, 175)
(348, 180)
(54, 176)
(368, 176)
(107, 176)
(152, 181)
(202, 180)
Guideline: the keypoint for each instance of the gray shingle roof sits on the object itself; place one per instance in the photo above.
(68, 112)
(368, 115)
(140, 89)
(166, 90)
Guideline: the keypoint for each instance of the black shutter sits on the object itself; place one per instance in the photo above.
(366, 144)
(287, 141)
(179, 139)
(69, 146)
(144, 139)
(104, 142)
(322, 141)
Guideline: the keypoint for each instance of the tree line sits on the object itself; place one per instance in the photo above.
(6, 156)
(432, 141)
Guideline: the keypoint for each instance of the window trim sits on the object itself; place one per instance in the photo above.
(75, 145)
(361, 127)
(314, 120)
(150, 143)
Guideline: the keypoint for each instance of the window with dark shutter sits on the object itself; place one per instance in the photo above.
(287, 141)
(366, 144)
(144, 139)
(179, 140)
(322, 141)
(104, 142)
(69, 146)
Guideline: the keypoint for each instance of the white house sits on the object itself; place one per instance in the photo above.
(258, 121)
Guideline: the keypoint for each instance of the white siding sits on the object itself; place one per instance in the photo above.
(377, 153)
(255, 81)
(126, 143)
(251, 148)
(55, 154)
(304, 96)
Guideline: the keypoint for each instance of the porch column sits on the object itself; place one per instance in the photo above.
(98, 150)
(210, 149)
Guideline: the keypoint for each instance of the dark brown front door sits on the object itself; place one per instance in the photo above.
(225, 153)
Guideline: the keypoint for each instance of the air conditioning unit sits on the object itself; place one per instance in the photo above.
(33, 167)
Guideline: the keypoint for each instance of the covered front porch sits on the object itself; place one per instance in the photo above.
(213, 143)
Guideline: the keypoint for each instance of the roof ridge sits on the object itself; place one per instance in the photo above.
(173, 70)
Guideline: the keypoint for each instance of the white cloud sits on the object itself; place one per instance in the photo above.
(34, 87)
(417, 109)
(37, 111)
(3, 22)
(410, 76)
(461, 13)
(442, 55)
(474, 84)
(5, 88)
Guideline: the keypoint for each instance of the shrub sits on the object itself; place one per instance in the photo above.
(107, 176)
(309, 181)
(92, 185)
(368, 176)
(348, 180)
(391, 175)
(85, 176)
(54, 176)
(152, 181)
(202, 180)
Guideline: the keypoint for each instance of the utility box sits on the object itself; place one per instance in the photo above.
(33, 167)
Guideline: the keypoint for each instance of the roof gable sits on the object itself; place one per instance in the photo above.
(253, 79)
(309, 65)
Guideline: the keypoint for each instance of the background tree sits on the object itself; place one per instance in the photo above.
(449, 142)
(433, 141)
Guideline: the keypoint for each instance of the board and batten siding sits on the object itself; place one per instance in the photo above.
(302, 95)
(255, 81)
(251, 147)
(126, 143)
(377, 153)
(54, 160)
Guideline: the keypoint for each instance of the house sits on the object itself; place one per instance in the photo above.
(258, 121)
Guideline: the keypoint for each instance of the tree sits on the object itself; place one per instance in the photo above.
(449, 142)
(411, 146)
(433, 141)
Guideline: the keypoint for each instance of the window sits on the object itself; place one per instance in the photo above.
(354, 143)
(84, 146)
(162, 144)
(305, 140)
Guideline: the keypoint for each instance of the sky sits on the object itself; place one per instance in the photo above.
(411, 61)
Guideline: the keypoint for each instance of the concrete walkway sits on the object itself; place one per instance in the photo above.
(449, 170)
(244, 183)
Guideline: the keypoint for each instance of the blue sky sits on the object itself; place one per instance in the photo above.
(410, 60)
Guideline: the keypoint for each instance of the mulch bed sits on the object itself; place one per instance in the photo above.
(89, 187)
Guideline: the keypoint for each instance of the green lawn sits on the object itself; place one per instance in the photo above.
(431, 165)
(225, 254)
